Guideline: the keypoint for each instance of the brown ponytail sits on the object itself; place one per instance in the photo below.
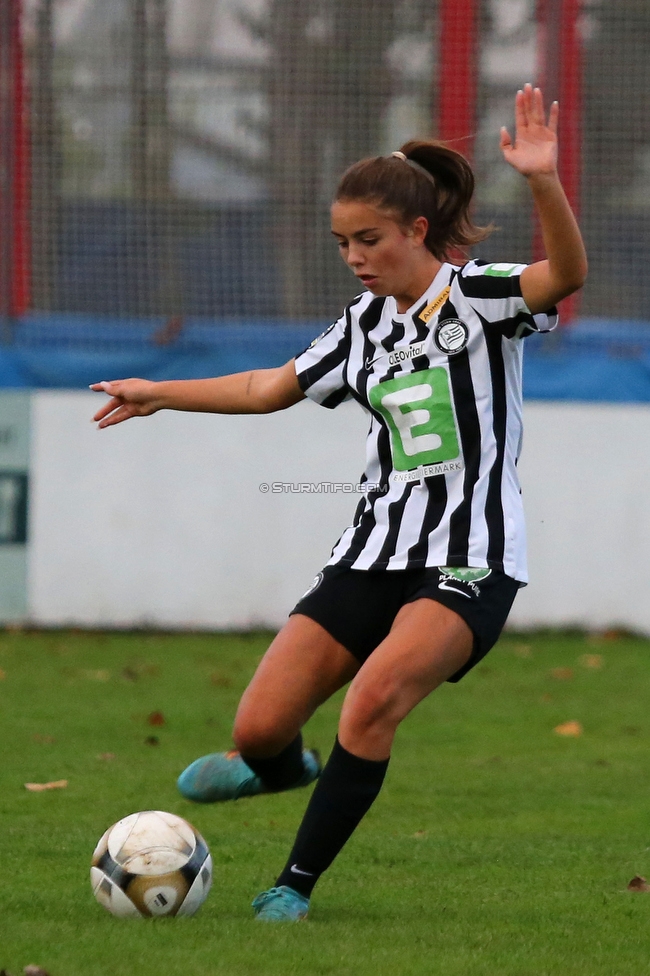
(443, 196)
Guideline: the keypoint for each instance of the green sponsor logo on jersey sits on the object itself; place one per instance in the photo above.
(500, 270)
(418, 411)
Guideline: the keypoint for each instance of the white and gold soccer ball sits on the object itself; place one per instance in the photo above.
(151, 864)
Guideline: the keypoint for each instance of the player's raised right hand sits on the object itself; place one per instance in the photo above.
(129, 398)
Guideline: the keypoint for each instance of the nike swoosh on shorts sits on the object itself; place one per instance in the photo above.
(453, 589)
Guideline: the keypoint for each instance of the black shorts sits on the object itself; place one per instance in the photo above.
(358, 607)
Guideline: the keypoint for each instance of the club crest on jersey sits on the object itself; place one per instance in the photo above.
(451, 336)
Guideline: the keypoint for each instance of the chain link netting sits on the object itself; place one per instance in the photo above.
(183, 153)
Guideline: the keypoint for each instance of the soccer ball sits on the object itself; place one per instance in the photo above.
(151, 864)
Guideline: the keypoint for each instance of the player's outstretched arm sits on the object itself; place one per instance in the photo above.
(534, 155)
(258, 391)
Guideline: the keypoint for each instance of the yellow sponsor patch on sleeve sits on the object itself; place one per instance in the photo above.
(435, 305)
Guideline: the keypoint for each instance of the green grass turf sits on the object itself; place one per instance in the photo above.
(497, 846)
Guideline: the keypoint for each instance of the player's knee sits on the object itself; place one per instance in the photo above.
(370, 705)
(253, 737)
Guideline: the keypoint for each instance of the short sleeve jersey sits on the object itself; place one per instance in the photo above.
(442, 384)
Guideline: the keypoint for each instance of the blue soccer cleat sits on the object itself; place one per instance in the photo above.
(281, 904)
(225, 776)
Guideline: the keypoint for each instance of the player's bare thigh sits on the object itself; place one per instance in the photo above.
(302, 668)
(426, 645)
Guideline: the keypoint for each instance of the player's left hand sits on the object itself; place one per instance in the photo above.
(534, 150)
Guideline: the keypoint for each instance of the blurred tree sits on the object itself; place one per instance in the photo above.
(616, 138)
(617, 106)
(151, 154)
(328, 87)
(150, 139)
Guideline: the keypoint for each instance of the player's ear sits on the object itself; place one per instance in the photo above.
(418, 230)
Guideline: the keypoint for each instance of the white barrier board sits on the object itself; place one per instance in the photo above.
(585, 470)
(162, 522)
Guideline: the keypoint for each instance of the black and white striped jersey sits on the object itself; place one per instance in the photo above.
(442, 384)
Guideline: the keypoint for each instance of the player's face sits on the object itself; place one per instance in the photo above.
(382, 253)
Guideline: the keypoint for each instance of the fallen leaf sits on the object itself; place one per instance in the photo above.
(419, 834)
(594, 661)
(606, 636)
(638, 884)
(156, 718)
(220, 680)
(57, 784)
(614, 634)
(135, 671)
(546, 698)
(522, 650)
(96, 675)
(3, 675)
(106, 756)
(35, 971)
(152, 740)
(571, 729)
(46, 740)
(562, 674)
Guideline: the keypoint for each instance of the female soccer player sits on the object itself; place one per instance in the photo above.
(419, 586)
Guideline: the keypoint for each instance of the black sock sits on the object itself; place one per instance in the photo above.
(281, 771)
(343, 795)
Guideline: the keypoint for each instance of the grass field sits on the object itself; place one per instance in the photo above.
(498, 847)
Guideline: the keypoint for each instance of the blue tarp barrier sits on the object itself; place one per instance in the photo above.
(594, 360)
(72, 351)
